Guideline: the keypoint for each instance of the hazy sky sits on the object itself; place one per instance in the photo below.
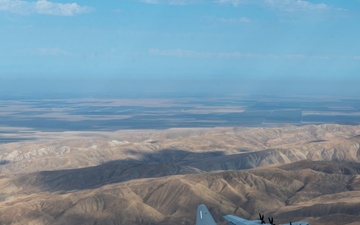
(267, 41)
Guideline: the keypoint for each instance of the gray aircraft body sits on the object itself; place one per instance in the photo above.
(203, 217)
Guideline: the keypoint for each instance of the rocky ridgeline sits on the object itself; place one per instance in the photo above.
(205, 149)
(159, 177)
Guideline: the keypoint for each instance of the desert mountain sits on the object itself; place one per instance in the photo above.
(159, 177)
(255, 146)
(319, 192)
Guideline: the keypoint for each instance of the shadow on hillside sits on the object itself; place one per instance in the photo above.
(169, 162)
(4, 162)
(329, 167)
(164, 163)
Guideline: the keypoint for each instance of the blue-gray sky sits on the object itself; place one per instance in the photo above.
(250, 42)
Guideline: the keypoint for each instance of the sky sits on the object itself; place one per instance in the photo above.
(180, 45)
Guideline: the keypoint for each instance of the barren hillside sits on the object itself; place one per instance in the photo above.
(159, 177)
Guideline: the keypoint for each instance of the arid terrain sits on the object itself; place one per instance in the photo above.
(160, 176)
(137, 112)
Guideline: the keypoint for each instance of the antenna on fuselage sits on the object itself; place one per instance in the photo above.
(271, 220)
(262, 218)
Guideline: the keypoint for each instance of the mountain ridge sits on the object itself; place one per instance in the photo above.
(308, 173)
